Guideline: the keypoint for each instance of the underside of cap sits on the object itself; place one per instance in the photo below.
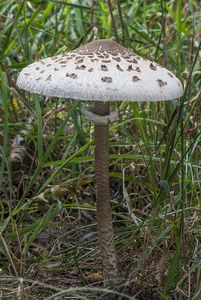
(102, 70)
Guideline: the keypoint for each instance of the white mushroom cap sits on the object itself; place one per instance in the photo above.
(101, 70)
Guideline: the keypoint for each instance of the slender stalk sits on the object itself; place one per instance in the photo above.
(103, 202)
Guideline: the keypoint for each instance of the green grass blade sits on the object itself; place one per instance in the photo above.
(47, 218)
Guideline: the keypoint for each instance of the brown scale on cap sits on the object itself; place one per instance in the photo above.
(48, 65)
(106, 49)
(137, 69)
(152, 66)
(119, 68)
(68, 58)
(126, 56)
(90, 70)
(136, 78)
(62, 62)
(43, 71)
(107, 79)
(170, 75)
(106, 61)
(117, 58)
(87, 54)
(37, 68)
(106, 55)
(161, 82)
(48, 78)
(38, 78)
(104, 68)
(102, 46)
(130, 68)
(115, 53)
(79, 57)
(72, 75)
(79, 61)
(82, 67)
(134, 61)
(56, 69)
(26, 74)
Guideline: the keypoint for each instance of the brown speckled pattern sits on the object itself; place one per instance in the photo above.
(98, 65)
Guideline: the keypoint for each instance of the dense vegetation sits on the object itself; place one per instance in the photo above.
(48, 245)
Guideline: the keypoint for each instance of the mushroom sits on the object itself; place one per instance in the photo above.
(101, 71)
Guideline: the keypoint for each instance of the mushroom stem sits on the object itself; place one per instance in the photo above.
(103, 202)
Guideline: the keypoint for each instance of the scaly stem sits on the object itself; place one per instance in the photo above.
(103, 202)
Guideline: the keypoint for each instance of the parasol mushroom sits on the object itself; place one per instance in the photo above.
(101, 71)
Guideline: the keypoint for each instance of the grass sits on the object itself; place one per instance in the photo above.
(48, 232)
